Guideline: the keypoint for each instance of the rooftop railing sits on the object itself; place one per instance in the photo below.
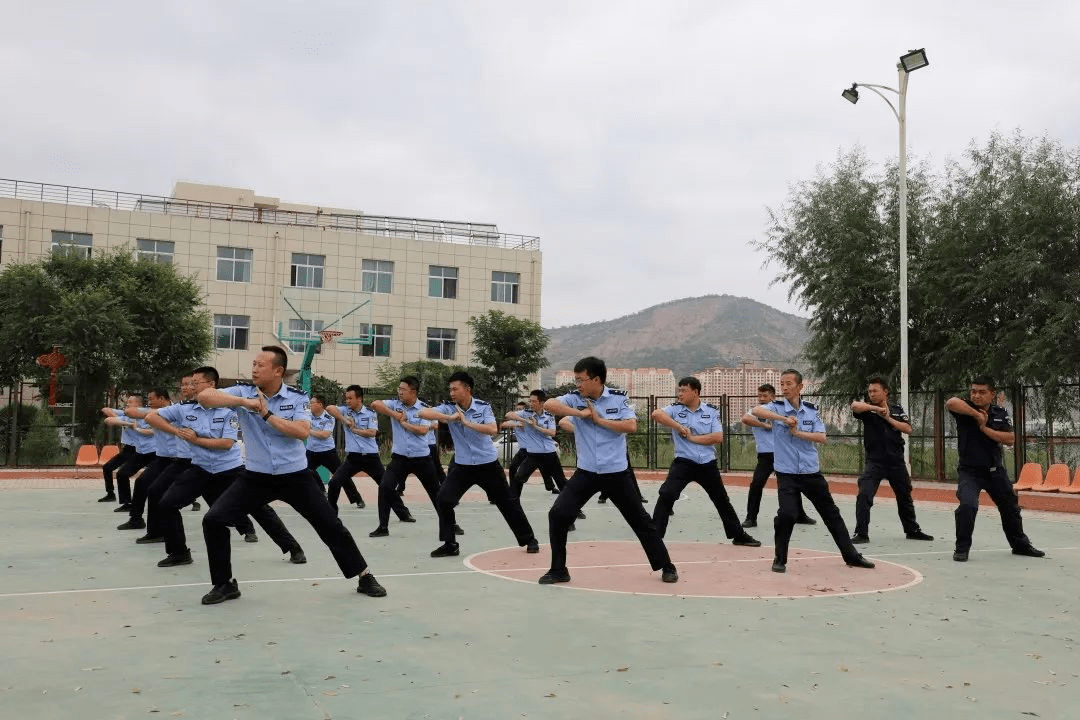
(381, 225)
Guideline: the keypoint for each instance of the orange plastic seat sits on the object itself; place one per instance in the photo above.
(1030, 476)
(87, 456)
(1057, 477)
(108, 453)
(1074, 489)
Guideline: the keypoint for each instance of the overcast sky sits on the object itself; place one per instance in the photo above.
(642, 142)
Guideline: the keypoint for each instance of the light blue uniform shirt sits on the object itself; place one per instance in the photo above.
(167, 445)
(532, 440)
(471, 447)
(267, 450)
(208, 423)
(406, 443)
(322, 422)
(600, 450)
(704, 420)
(363, 419)
(793, 455)
(184, 449)
(763, 439)
(144, 444)
(128, 436)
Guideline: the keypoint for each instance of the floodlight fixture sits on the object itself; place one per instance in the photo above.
(914, 60)
(851, 94)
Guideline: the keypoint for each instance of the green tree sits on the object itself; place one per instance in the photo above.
(511, 349)
(332, 390)
(433, 378)
(121, 322)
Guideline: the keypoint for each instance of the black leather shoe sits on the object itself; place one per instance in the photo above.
(554, 576)
(778, 567)
(369, 586)
(251, 537)
(195, 506)
(860, 539)
(446, 550)
(297, 557)
(746, 541)
(1028, 551)
(572, 528)
(221, 593)
(749, 523)
(132, 524)
(361, 504)
(602, 500)
(919, 535)
(533, 547)
(960, 555)
(458, 530)
(408, 518)
(860, 562)
(806, 520)
(123, 507)
(669, 574)
(108, 498)
(379, 532)
(148, 539)
(580, 515)
(174, 560)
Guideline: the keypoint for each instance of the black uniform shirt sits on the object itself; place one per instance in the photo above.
(883, 442)
(978, 450)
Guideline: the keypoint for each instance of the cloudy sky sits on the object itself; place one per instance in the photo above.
(641, 141)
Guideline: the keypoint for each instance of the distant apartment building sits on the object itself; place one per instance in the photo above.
(417, 282)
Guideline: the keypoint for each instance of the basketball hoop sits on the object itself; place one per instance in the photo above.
(329, 336)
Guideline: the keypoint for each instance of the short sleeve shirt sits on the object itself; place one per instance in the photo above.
(600, 450)
(883, 442)
(976, 449)
(128, 436)
(266, 450)
(792, 455)
(404, 442)
(703, 421)
(471, 447)
(322, 422)
(763, 439)
(214, 423)
(363, 419)
(532, 440)
(167, 445)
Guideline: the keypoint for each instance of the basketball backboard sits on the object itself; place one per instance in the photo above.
(308, 315)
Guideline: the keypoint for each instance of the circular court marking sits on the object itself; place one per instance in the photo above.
(705, 570)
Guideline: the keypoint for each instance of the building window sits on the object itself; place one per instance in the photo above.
(307, 270)
(234, 264)
(441, 343)
(377, 276)
(74, 243)
(159, 251)
(504, 286)
(380, 340)
(310, 328)
(442, 281)
(231, 332)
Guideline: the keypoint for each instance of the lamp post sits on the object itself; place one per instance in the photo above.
(910, 62)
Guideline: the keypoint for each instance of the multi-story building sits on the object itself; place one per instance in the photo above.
(415, 282)
(653, 381)
(739, 383)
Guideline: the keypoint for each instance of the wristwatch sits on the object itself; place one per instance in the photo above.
(267, 414)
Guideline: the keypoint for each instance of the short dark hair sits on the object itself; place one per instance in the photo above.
(594, 367)
(281, 360)
(766, 387)
(160, 392)
(691, 382)
(138, 394)
(984, 380)
(462, 377)
(357, 390)
(539, 395)
(796, 373)
(320, 397)
(207, 372)
(878, 380)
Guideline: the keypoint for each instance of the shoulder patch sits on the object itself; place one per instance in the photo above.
(678, 404)
(615, 391)
(809, 404)
(712, 406)
(478, 401)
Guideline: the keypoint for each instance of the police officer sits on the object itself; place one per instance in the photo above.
(476, 462)
(144, 449)
(521, 453)
(763, 443)
(884, 427)
(211, 434)
(796, 428)
(695, 429)
(410, 452)
(164, 480)
(535, 433)
(982, 428)
(166, 451)
(603, 417)
(127, 450)
(275, 420)
(321, 445)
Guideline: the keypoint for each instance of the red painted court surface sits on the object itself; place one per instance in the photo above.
(705, 570)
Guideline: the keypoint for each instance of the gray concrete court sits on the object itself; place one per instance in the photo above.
(92, 629)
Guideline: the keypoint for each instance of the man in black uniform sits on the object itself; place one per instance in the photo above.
(884, 427)
(982, 427)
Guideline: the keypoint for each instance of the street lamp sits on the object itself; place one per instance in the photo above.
(913, 60)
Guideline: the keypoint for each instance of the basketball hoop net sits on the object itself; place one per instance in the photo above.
(328, 336)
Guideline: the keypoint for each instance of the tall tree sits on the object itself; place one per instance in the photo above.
(121, 322)
(511, 349)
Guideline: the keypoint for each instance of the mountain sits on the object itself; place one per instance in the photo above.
(685, 335)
